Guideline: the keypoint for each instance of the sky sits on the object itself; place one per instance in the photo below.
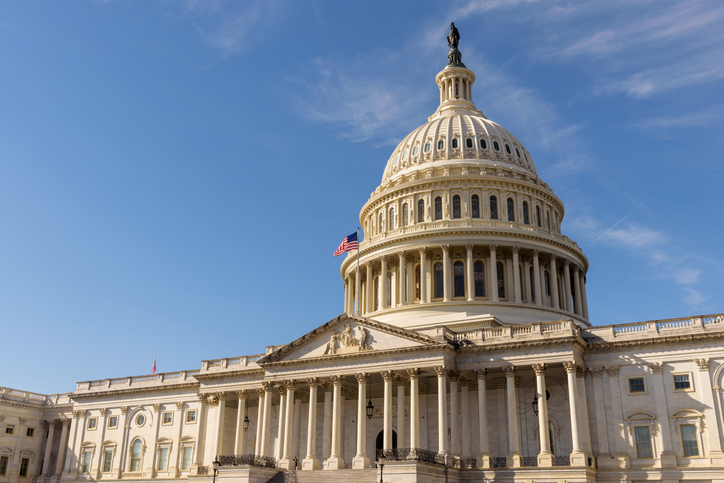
(175, 175)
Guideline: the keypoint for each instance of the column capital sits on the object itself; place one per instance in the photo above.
(552, 256)
(702, 364)
(260, 391)
(440, 371)
(313, 381)
(180, 405)
(510, 371)
(267, 386)
(103, 410)
(156, 407)
(362, 377)
(422, 250)
(612, 370)
(580, 372)
(401, 380)
(388, 376)
(453, 376)
(539, 369)
(289, 384)
(242, 394)
(327, 385)
(482, 373)
(469, 247)
(492, 247)
(566, 263)
(596, 371)
(213, 400)
(65, 421)
(202, 397)
(337, 380)
(445, 248)
(124, 410)
(413, 372)
(656, 367)
(515, 249)
(570, 366)
(536, 253)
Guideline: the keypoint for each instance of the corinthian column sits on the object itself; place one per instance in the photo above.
(311, 462)
(484, 455)
(493, 270)
(446, 273)
(545, 457)
(414, 374)
(361, 460)
(553, 281)
(442, 443)
(578, 457)
(383, 283)
(49, 447)
(516, 275)
(335, 461)
(243, 396)
(469, 275)
(512, 401)
(423, 276)
(388, 377)
(287, 462)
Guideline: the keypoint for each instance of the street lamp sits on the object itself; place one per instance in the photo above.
(535, 404)
(370, 410)
(215, 466)
(246, 423)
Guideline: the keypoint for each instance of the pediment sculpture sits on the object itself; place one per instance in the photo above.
(347, 342)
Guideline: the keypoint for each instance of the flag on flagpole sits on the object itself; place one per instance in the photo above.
(349, 243)
(153, 370)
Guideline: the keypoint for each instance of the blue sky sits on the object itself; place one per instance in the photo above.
(174, 176)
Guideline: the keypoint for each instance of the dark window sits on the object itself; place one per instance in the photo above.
(439, 290)
(438, 208)
(456, 206)
(455, 143)
(643, 442)
(493, 208)
(517, 152)
(405, 215)
(392, 219)
(532, 284)
(547, 282)
(440, 144)
(636, 384)
(526, 220)
(3, 465)
(681, 381)
(479, 271)
(537, 215)
(420, 211)
(417, 283)
(24, 463)
(507, 149)
(475, 202)
(459, 279)
(496, 145)
(469, 143)
(483, 144)
(501, 280)
(511, 210)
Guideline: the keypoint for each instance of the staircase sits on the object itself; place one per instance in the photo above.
(368, 475)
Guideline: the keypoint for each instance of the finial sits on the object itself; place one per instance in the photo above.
(454, 57)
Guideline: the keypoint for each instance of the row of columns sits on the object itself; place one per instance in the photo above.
(455, 87)
(404, 293)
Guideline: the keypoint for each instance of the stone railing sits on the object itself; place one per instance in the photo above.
(247, 460)
(33, 397)
(411, 454)
(494, 335)
(233, 363)
(164, 378)
(654, 328)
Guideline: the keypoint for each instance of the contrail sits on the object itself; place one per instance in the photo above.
(617, 223)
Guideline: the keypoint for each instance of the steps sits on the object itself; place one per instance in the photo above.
(368, 475)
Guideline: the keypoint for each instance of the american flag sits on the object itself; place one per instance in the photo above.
(349, 243)
(153, 369)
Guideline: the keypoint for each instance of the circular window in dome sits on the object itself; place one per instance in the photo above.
(140, 420)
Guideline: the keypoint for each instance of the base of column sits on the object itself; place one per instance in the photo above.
(310, 464)
(579, 459)
(513, 460)
(545, 460)
(483, 461)
(286, 463)
(360, 462)
(667, 459)
(334, 463)
(444, 458)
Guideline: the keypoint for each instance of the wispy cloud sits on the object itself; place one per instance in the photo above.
(696, 119)
(693, 297)
(634, 236)
(234, 33)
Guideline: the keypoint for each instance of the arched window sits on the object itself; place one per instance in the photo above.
(537, 215)
(496, 145)
(547, 280)
(507, 149)
(511, 210)
(456, 206)
(469, 143)
(438, 208)
(455, 143)
(392, 219)
(379, 227)
(405, 215)
(520, 278)
(526, 220)
(475, 205)
(416, 150)
(479, 272)
(376, 284)
(459, 279)
(532, 284)
(440, 144)
(439, 281)
(493, 208)
(420, 211)
(501, 280)
(427, 147)
(483, 144)
(388, 295)
(136, 451)
(417, 283)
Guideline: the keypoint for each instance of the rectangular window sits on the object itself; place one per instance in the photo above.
(30, 432)
(636, 384)
(9, 429)
(191, 416)
(681, 382)
(163, 459)
(167, 417)
(643, 442)
(24, 463)
(107, 461)
(92, 423)
(689, 440)
(87, 455)
(186, 463)
(113, 422)
(3, 465)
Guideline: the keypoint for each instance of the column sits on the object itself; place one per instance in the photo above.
(62, 447)
(617, 412)
(414, 374)
(601, 424)
(347, 293)
(369, 291)
(71, 441)
(243, 396)
(469, 275)
(446, 273)
(545, 457)
(484, 455)
(401, 436)
(493, 274)
(707, 395)
(103, 423)
(335, 460)
(554, 283)
(467, 451)
(536, 278)
(266, 424)
(526, 281)
(297, 429)
(388, 377)
(512, 402)
(279, 454)
(401, 279)
(200, 420)
(584, 299)
(423, 276)
(567, 283)
(668, 459)
(383, 283)
(442, 447)
(219, 443)
(360, 460)
(48, 448)
(454, 414)
(311, 462)
(259, 421)
(178, 421)
(327, 422)
(578, 458)
(357, 298)
(287, 462)
(583, 426)
(516, 275)
(124, 442)
(577, 295)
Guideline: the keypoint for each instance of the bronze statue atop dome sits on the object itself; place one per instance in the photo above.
(454, 57)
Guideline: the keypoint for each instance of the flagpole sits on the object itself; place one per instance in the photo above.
(356, 291)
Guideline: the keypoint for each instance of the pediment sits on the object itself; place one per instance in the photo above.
(348, 334)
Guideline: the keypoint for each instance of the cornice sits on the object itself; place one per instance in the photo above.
(654, 341)
(132, 390)
(223, 374)
(41, 407)
(516, 344)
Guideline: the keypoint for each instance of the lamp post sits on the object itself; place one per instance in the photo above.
(246, 423)
(381, 464)
(535, 405)
(215, 466)
(370, 409)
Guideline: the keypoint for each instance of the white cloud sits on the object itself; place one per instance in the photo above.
(233, 34)
(702, 118)
(634, 236)
(693, 297)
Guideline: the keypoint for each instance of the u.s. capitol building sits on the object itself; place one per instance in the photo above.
(464, 353)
